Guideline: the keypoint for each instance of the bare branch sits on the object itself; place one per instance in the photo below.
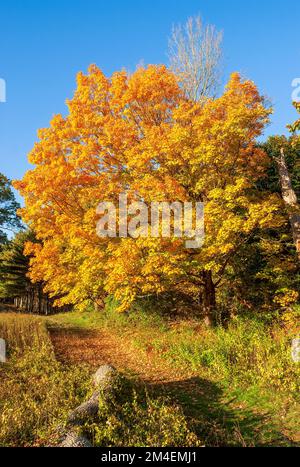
(195, 52)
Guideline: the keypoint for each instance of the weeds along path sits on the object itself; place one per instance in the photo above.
(219, 415)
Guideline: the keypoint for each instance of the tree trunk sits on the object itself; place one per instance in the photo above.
(290, 199)
(209, 299)
(99, 304)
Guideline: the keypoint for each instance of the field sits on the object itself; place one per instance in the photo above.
(36, 391)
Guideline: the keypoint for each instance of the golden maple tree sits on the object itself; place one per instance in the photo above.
(139, 134)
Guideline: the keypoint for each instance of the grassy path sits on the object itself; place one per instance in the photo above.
(197, 397)
(216, 416)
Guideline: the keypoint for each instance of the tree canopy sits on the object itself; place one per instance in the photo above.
(141, 135)
(14, 266)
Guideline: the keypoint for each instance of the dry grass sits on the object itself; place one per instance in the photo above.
(22, 332)
(36, 391)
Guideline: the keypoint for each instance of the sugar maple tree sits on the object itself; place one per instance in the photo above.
(139, 134)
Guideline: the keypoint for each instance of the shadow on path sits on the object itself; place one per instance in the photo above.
(216, 421)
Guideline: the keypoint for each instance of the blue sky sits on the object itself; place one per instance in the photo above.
(43, 44)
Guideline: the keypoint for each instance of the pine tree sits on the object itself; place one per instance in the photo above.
(9, 221)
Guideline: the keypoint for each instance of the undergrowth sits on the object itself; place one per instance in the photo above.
(251, 380)
(37, 394)
(130, 416)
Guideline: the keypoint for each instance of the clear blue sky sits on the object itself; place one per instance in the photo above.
(43, 44)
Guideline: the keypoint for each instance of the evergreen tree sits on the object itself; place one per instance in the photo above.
(9, 221)
(14, 266)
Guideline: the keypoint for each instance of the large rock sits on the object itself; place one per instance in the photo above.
(104, 377)
(103, 381)
(75, 440)
(88, 409)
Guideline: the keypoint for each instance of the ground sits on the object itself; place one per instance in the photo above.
(221, 417)
(246, 413)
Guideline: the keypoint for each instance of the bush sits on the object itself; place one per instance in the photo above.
(143, 313)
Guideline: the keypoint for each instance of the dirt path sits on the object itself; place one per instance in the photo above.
(100, 347)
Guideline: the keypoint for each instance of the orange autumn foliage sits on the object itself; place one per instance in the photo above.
(139, 134)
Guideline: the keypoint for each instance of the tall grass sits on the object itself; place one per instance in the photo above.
(36, 391)
(248, 352)
(22, 332)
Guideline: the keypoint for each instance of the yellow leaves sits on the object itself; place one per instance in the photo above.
(296, 125)
(32, 248)
(286, 297)
(230, 192)
(265, 213)
(138, 134)
(154, 85)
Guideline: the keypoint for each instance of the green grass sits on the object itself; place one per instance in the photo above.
(131, 416)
